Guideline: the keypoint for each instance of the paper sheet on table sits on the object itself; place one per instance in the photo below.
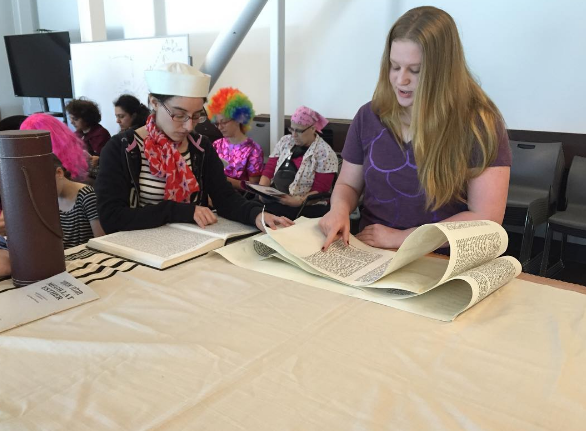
(403, 279)
(22, 305)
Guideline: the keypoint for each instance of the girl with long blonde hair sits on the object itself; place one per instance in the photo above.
(430, 146)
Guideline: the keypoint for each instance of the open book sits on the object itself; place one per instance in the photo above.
(270, 194)
(405, 279)
(171, 244)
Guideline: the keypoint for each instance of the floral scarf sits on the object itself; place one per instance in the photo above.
(165, 161)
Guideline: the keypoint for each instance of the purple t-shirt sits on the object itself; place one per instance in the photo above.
(393, 195)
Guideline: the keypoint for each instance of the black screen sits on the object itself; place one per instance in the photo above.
(39, 64)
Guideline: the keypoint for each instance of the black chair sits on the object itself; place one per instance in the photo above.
(536, 176)
(12, 123)
(260, 132)
(208, 129)
(572, 221)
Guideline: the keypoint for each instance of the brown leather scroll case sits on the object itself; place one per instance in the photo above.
(31, 210)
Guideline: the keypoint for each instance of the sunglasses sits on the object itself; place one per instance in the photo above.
(292, 130)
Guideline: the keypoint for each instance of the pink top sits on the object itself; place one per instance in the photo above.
(322, 182)
(245, 159)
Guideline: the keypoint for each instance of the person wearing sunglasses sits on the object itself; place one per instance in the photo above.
(165, 172)
(231, 111)
(301, 164)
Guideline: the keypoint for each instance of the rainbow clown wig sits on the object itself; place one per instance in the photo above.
(233, 104)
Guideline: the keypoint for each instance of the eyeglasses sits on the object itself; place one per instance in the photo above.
(198, 117)
(222, 123)
(298, 131)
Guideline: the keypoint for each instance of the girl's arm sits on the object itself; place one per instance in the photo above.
(487, 200)
(97, 228)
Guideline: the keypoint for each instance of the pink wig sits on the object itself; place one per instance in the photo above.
(68, 148)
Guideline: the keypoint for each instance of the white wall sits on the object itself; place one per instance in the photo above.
(326, 65)
(59, 15)
(527, 54)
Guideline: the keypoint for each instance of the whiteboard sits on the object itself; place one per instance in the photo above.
(102, 71)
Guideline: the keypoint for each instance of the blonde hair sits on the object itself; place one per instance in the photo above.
(451, 115)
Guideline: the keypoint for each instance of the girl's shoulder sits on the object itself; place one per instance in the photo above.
(285, 141)
(84, 191)
(219, 141)
(252, 143)
(124, 138)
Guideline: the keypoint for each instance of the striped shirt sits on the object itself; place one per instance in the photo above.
(75, 223)
(152, 189)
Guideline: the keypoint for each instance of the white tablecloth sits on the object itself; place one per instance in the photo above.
(209, 346)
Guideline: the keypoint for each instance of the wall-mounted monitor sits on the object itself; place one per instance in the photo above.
(39, 64)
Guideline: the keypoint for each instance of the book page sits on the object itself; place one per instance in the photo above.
(267, 193)
(417, 277)
(263, 250)
(361, 265)
(451, 298)
(159, 247)
(223, 228)
(264, 190)
(407, 279)
(442, 303)
(268, 247)
(487, 278)
(162, 242)
(243, 254)
(472, 243)
(22, 305)
(357, 264)
(422, 241)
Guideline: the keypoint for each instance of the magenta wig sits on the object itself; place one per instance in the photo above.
(68, 148)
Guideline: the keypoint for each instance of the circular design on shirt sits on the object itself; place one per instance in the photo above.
(378, 173)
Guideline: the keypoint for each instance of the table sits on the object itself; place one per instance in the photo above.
(209, 346)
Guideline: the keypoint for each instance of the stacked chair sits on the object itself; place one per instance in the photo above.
(572, 221)
(534, 186)
(260, 132)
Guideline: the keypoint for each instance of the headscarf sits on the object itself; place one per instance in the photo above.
(308, 117)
